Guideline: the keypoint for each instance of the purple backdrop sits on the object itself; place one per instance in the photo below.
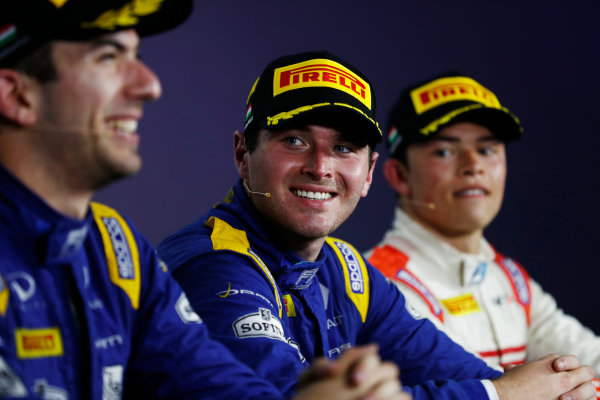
(541, 59)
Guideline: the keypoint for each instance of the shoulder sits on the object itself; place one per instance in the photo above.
(189, 242)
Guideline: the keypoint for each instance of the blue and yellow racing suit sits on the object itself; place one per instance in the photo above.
(87, 311)
(278, 313)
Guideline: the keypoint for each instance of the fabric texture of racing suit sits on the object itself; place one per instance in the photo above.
(486, 302)
(88, 312)
(277, 312)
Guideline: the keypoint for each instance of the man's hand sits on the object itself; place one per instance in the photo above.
(358, 374)
(550, 378)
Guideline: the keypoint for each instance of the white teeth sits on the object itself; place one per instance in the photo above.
(312, 195)
(471, 192)
(124, 126)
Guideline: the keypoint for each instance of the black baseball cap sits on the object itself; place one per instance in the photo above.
(312, 87)
(26, 25)
(427, 107)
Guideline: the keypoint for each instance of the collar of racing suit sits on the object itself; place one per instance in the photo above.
(28, 219)
(283, 263)
(409, 235)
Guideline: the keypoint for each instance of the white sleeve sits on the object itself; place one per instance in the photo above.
(553, 331)
(490, 389)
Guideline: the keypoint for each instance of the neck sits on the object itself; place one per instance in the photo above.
(306, 248)
(310, 250)
(43, 177)
(466, 241)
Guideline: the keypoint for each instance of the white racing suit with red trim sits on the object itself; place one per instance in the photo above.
(486, 302)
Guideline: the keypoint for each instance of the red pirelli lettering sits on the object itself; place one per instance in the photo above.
(38, 342)
(445, 91)
(322, 73)
(310, 76)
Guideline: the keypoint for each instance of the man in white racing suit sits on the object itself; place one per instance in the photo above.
(447, 165)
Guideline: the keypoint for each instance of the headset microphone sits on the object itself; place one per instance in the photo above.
(425, 204)
(266, 194)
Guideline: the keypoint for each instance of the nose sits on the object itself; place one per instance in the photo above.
(470, 163)
(318, 165)
(142, 82)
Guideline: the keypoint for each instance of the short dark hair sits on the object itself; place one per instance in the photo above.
(38, 64)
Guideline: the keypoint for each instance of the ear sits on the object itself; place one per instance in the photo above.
(369, 181)
(396, 174)
(240, 153)
(16, 97)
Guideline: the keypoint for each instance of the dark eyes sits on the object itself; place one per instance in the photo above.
(292, 140)
(296, 141)
(442, 152)
(342, 148)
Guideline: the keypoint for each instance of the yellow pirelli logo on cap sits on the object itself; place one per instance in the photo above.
(461, 305)
(321, 72)
(37, 343)
(445, 90)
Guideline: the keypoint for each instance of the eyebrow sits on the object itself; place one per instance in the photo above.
(109, 41)
(453, 139)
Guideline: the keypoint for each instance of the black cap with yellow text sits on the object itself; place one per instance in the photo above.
(425, 108)
(312, 88)
(25, 25)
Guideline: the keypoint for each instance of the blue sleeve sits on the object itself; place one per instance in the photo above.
(431, 365)
(173, 356)
(239, 306)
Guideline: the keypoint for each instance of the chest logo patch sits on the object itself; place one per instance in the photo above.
(289, 305)
(461, 305)
(38, 343)
(260, 324)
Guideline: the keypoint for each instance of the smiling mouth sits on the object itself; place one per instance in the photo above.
(471, 192)
(123, 127)
(312, 195)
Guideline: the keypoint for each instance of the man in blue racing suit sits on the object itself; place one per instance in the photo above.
(87, 310)
(278, 291)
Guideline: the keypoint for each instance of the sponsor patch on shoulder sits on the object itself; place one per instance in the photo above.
(185, 311)
(259, 324)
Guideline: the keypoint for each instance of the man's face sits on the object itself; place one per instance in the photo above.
(88, 116)
(315, 176)
(462, 172)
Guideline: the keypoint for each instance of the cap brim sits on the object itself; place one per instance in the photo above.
(342, 118)
(502, 124)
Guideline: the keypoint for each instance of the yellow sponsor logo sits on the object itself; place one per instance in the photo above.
(461, 305)
(37, 343)
(4, 294)
(121, 251)
(445, 90)
(321, 72)
(126, 16)
(58, 3)
(289, 305)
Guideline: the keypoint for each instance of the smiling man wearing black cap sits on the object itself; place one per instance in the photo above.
(270, 282)
(87, 310)
(447, 164)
